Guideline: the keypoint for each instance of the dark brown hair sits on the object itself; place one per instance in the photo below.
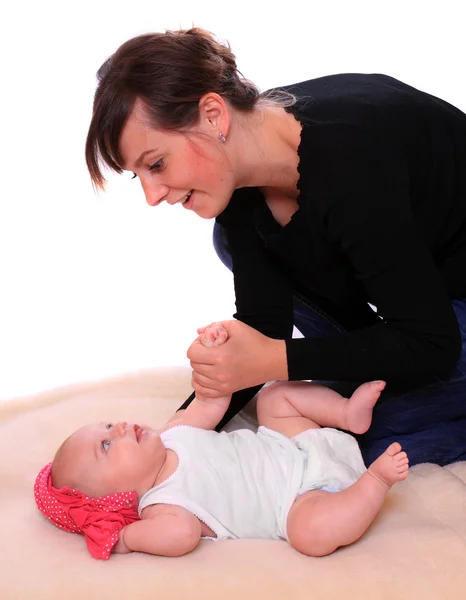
(169, 72)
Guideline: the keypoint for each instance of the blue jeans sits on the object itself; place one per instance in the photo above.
(429, 421)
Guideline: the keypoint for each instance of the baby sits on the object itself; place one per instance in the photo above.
(129, 487)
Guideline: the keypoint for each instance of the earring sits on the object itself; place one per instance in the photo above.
(221, 137)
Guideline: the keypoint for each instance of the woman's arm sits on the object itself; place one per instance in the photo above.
(369, 216)
(367, 212)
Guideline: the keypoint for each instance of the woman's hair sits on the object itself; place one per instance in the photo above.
(169, 72)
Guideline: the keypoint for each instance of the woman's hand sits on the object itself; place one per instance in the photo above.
(246, 359)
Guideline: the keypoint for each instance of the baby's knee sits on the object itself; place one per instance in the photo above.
(270, 397)
(310, 537)
(308, 527)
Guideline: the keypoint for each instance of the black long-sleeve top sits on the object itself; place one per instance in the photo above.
(381, 219)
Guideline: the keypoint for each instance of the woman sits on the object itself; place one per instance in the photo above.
(340, 206)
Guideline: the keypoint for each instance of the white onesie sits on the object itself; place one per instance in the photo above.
(242, 484)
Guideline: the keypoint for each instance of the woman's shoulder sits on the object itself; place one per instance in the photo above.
(368, 99)
(350, 87)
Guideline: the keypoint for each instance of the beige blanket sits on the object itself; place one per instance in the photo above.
(416, 549)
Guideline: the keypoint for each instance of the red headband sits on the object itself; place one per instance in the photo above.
(99, 519)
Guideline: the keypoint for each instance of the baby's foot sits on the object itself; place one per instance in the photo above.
(391, 466)
(214, 335)
(358, 409)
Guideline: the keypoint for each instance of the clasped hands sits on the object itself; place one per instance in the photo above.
(246, 359)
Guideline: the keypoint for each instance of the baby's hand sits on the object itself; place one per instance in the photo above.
(213, 335)
(120, 547)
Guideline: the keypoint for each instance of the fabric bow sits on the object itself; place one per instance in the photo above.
(100, 519)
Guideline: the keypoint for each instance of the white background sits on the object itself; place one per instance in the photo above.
(93, 286)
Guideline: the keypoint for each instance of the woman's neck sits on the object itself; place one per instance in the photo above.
(264, 149)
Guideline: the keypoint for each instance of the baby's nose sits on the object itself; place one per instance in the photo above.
(120, 428)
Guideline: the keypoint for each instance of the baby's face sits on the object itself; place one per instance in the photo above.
(105, 459)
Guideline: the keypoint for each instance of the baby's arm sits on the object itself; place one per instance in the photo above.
(164, 530)
(205, 414)
(202, 414)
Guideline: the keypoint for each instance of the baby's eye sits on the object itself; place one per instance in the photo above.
(105, 445)
(109, 426)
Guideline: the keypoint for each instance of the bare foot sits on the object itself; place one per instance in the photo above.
(391, 466)
(358, 409)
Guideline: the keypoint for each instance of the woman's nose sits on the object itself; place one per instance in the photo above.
(155, 194)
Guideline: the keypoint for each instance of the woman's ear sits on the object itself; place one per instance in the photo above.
(214, 113)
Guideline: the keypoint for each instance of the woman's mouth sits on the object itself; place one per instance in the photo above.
(188, 202)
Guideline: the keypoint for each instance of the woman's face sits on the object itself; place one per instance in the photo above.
(190, 168)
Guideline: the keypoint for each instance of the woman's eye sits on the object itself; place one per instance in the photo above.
(157, 166)
(105, 445)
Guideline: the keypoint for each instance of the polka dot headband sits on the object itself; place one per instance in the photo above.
(100, 519)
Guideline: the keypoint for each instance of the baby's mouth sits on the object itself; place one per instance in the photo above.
(138, 431)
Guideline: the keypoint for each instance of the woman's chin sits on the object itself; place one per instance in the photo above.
(206, 214)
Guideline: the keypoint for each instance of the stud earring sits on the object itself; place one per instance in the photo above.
(221, 137)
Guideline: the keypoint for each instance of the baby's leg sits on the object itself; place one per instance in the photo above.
(295, 406)
(320, 522)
